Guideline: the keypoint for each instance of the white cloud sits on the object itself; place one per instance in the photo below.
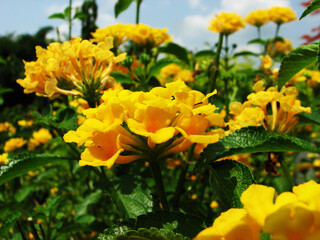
(194, 3)
(105, 20)
(243, 7)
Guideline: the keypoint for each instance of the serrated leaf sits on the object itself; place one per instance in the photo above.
(229, 179)
(22, 163)
(122, 78)
(313, 117)
(314, 5)
(66, 119)
(158, 65)
(180, 52)
(142, 233)
(296, 60)
(205, 53)
(254, 140)
(121, 6)
(188, 225)
(245, 53)
(8, 222)
(57, 15)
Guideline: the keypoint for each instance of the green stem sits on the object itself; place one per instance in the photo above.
(138, 11)
(286, 172)
(212, 80)
(259, 32)
(20, 230)
(226, 57)
(277, 31)
(70, 20)
(156, 171)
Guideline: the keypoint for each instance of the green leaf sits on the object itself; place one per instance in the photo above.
(229, 179)
(57, 15)
(122, 78)
(158, 65)
(180, 52)
(257, 41)
(22, 193)
(205, 53)
(314, 5)
(281, 184)
(265, 236)
(188, 225)
(65, 118)
(82, 208)
(67, 11)
(8, 222)
(253, 140)
(80, 15)
(121, 6)
(245, 53)
(307, 118)
(123, 233)
(296, 60)
(22, 163)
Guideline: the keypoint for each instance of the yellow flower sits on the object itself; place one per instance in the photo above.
(71, 68)
(6, 126)
(234, 224)
(281, 15)
(41, 136)
(258, 17)
(145, 125)
(275, 110)
(147, 36)
(279, 48)
(226, 23)
(13, 144)
(266, 63)
(119, 32)
(25, 123)
(3, 158)
(174, 72)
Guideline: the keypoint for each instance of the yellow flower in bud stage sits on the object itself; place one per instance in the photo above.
(13, 144)
(70, 68)
(226, 23)
(3, 158)
(119, 32)
(258, 17)
(42, 136)
(281, 15)
(147, 36)
(158, 123)
(7, 127)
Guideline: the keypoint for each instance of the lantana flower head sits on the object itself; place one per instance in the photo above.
(226, 23)
(13, 144)
(258, 17)
(174, 72)
(281, 15)
(149, 37)
(145, 125)
(74, 67)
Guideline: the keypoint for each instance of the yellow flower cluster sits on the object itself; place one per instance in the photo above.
(281, 15)
(310, 76)
(174, 72)
(25, 123)
(258, 17)
(41, 136)
(141, 34)
(119, 32)
(279, 47)
(129, 126)
(226, 23)
(254, 112)
(65, 67)
(7, 127)
(13, 144)
(291, 216)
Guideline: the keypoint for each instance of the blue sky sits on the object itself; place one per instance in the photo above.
(186, 20)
